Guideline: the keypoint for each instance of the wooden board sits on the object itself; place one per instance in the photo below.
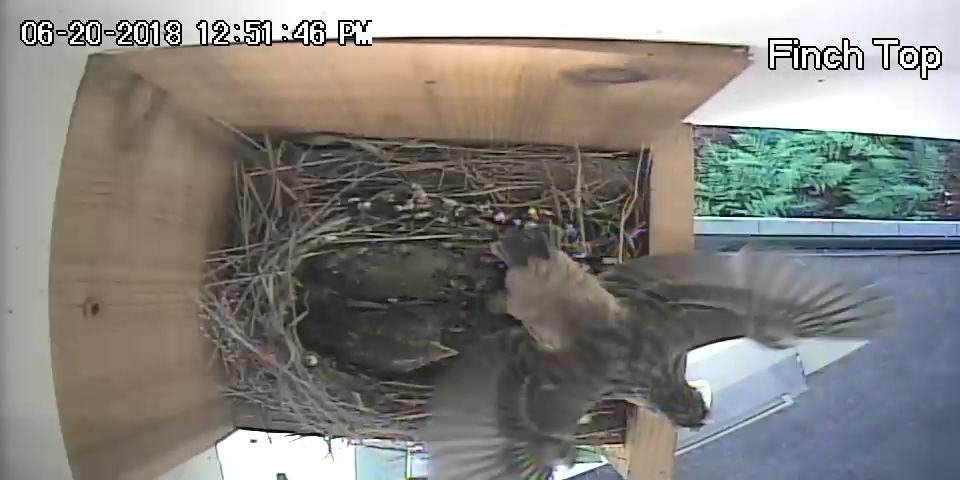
(143, 180)
(651, 441)
(617, 94)
(141, 184)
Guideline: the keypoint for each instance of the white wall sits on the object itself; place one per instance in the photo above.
(38, 86)
(205, 466)
(247, 455)
(872, 101)
(38, 89)
(299, 458)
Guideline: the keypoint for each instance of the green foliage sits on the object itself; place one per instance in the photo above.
(897, 184)
(766, 173)
(776, 173)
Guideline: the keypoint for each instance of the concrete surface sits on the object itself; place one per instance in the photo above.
(886, 412)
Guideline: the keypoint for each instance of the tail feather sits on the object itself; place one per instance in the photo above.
(478, 427)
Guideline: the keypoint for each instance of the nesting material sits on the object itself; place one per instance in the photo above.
(356, 268)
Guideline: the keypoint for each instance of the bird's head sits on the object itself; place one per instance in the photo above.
(703, 394)
(694, 413)
(688, 406)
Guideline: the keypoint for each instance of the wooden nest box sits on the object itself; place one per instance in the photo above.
(147, 172)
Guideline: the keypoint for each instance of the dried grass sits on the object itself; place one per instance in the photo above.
(316, 195)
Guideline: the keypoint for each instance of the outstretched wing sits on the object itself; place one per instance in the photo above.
(768, 296)
(503, 410)
(509, 408)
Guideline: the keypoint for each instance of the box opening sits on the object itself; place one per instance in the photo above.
(147, 172)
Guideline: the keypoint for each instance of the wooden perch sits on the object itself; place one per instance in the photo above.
(651, 442)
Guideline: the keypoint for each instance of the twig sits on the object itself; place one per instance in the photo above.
(553, 190)
(295, 203)
(579, 199)
(629, 205)
(395, 239)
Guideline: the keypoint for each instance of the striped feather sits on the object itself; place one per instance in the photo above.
(768, 296)
(479, 429)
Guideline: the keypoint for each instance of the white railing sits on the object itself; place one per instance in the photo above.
(825, 227)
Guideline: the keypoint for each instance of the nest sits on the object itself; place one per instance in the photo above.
(356, 268)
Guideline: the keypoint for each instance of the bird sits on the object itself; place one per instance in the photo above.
(691, 300)
(508, 408)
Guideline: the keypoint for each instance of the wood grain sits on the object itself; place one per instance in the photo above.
(146, 173)
(141, 187)
(651, 440)
(530, 91)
